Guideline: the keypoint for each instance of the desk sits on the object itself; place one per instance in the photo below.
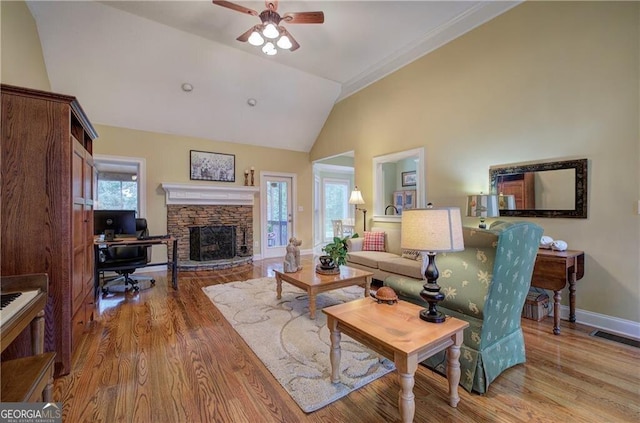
(121, 242)
(554, 270)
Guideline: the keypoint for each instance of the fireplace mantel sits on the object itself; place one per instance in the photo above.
(197, 194)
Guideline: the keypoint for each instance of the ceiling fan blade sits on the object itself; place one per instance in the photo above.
(294, 43)
(303, 17)
(235, 7)
(245, 36)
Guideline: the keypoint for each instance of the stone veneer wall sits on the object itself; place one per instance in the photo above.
(181, 217)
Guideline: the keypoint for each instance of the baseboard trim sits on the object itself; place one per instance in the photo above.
(611, 324)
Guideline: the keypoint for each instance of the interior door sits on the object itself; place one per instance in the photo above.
(277, 214)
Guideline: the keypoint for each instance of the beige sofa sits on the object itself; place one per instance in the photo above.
(383, 264)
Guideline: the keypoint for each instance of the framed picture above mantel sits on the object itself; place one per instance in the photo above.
(218, 167)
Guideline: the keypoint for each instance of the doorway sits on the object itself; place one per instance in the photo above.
(276, 201)
(333, 182)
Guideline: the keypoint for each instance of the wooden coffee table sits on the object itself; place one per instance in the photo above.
(397, 332)
(313, 282)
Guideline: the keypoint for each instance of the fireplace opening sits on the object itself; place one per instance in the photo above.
(212, 242)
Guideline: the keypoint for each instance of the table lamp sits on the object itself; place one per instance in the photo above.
(432, 230)
(483, 206)
(356, 199)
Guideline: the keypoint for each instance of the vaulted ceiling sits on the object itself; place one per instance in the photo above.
(126, 61)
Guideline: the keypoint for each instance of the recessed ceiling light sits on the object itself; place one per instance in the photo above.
(252, 102)
(186, 87)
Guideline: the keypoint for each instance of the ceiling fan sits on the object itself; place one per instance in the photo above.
(270, 33)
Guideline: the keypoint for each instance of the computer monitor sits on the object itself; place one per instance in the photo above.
(121, 222)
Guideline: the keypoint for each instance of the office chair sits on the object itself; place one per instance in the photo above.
(128, 255)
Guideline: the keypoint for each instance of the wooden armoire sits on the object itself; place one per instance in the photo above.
(47, 211)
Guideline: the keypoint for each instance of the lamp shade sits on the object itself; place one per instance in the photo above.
(356, 197)
(437, 229)
(483, 205)
(507, 202)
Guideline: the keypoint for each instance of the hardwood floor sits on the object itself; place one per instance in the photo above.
(170, 356)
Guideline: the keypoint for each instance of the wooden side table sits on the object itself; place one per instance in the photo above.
(554, 270)
(397, 332)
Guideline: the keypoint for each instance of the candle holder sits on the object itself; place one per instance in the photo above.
(252, 179)
(246, 178)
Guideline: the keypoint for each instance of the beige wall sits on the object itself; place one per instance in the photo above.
(22, 60)
(167, 161)
(546, 80)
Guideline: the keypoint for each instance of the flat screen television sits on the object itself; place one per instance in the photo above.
(121, 222)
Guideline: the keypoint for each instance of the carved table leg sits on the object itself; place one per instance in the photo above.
(556, 312)
(406, 367)
(367, 287)
(572, 297)
(453, 370)
(335, 353)
(278, 287)
(312, 304)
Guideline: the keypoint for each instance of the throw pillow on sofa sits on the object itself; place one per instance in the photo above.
(373, 241)
(412, 254)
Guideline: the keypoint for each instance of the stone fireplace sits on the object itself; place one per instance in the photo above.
(192, 206)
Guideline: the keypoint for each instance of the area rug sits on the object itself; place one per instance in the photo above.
(293, 347)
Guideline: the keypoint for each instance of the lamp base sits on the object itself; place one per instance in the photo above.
(438, 317)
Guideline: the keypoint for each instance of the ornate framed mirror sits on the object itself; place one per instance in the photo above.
(544, 189)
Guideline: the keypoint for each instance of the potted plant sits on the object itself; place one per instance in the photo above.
(336, 252)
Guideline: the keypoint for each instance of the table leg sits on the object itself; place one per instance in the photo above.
(556, 312)
(278, 287)
(367, 286)
(174, 266)
(312, 304)
(406, 367)
(572, 297)
(37, 333)
(335, 353)
(453, 369)
(47, 392)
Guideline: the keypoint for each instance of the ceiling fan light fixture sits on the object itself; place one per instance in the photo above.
(269, 49)
(255, 39)
(270, 31)
(284, 42)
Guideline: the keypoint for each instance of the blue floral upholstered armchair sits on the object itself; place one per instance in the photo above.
(485, 285)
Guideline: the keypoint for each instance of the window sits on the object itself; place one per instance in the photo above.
(336, 203)
(117, 191)
(120, 183)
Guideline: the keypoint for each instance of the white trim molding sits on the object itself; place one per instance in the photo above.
(611, 324)
(197, 194)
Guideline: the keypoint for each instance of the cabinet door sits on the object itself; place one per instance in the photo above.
(77, 226)
(88, 225)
